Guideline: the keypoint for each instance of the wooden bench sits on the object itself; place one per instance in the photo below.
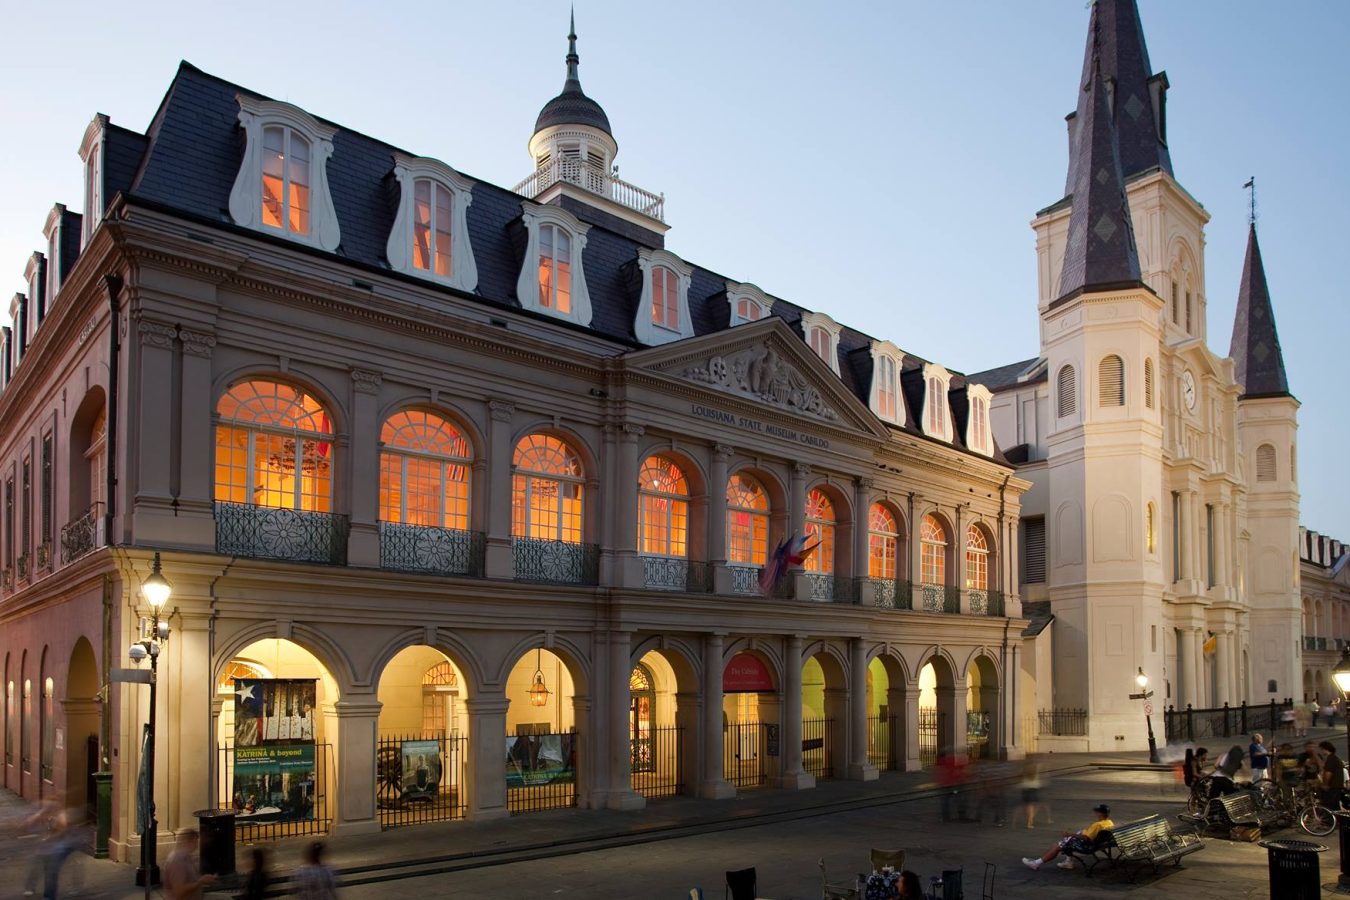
(1147, 841)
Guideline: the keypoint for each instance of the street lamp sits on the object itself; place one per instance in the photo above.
(156, 590)
(1144, 694)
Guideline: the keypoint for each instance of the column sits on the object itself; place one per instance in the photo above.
(989, 698)
(1223, 660)
(363, 542)
(151, 416)
(951, 702)
(358, 726)
(859, 769)
(625, 510)
(717, 531)
(713, 784)
(621, 794)
(498, 561)
(486, 779)
(790, 745)
(1183, 692)
(905, 703)
(958, 545)
(196, 466)
(688, 716)
(862, 499)
(797, 525)
(1199, 684)
(185, 694)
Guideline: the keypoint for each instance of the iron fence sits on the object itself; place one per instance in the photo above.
(977, 734)
(983, 602)
(277, 803)
(883, 741)
(420, 778)
(674, 574)
(82, 535)
(657, 759)
(541, 771)
(822, 586)
(817, 760)
(1192, 724)
(1062, 722)
(744, 579)
(265, 532)
(434, 551)
(555, 562)
(932, 726)
(44, 556)
(741, 752)
(939, 598)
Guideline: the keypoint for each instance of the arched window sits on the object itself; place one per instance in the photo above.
(97, 457)
(1265, 462)
(1148, 382)
(274, 447)
(820, 343)
(47, 752)
(663, 508)
(239, 668)
(933, 551)
(665, 298)
(26, 727)
(433, 221)
(424, 471)
(1111, 381)
(820, 528)
(546, 490)
(555, 269)
(10, 713)
(440, 699)
(937, 408)
(977, 559)
(748, 311)
(883, 540)
(1066, 392)
(285, 180)
(747, 521)
(886, 388)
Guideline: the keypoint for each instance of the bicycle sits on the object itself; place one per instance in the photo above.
(1314, 817)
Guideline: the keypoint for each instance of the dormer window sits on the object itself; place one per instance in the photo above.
(936, 420)
(885, 395)
(748, 303)
(663, 307)
(977, 425)
(282, 185)
(91, 153)
(430, 234)
(552, 279)
(822, 334)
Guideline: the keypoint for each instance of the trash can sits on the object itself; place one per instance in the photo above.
(217, 840)
(1295, 873)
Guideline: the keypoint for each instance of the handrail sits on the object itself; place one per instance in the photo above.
(595, 180)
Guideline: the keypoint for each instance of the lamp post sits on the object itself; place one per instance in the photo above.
(156, 590)
(1144, 694)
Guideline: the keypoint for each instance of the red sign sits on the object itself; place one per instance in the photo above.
(746, 674)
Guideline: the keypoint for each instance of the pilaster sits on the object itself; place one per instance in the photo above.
(358, 727)
(859, 768)
(363, 542)
(713, 785)
(498, 562)
(793, 777)
(153, 520)
(196, 519)
(621, 794)
(486, 781)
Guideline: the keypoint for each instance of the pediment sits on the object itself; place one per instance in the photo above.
(766, 364)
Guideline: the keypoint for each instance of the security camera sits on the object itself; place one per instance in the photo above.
(137, 652)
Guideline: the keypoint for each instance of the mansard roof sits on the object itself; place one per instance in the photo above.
(190, 157)
(1256, 344)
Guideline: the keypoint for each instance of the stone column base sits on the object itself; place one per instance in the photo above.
(625, 800)
(370, 826)
(863, 772)
(797, 781)
(716, 790)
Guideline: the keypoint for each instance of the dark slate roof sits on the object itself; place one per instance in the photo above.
(1038, 615)
(572, 106)
(1004, 376)
(69, 251)
(1116, 37)
(1256, 343)
(192, 152)
(1100, 252)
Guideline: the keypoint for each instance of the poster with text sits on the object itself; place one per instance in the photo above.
(421, 769)
(275, 783)
(273, 711)
(533, 759)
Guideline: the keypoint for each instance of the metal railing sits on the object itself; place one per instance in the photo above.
(657, 760)
(43, 556)
(82, 535)
(435, 551)
(555, 562)
(744, 579)
(267, 532)
(541, 771)
(596, 180)
(932, 726)
(977, 734)
(983, 602)
(883, 741)
(939, 598)
(22, 567)
(1314, 643)
(822, 586)
(278, 804)
(1192, 724)
(668, 573)
(421, 778)
(817, 760)
(741, 752)
(1062, 722)
(7, 578)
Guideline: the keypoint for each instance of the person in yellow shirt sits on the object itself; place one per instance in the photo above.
(1079, 842)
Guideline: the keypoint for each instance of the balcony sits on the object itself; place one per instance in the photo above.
(665, 573)
(7, 578)
(887, 593)
(43, 556)
(265, 532)
(23, 567)
(555, 562)
(744, 579)
(594, 180)
(984, 602)
(431, 551)
(83, 535)
(1314, 643)
(939, 598)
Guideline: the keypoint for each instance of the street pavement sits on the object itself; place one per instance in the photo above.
(678, 844)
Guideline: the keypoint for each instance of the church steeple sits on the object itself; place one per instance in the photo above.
(1256, 344)
(1116, 38)
(1100, 253)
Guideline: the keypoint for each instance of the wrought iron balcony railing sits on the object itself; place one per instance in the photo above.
(983, 602)
(555, 562)
(22, 567)
(939, 598)
(266, 532)
(431, 550)
(595, 180)
(822, 586)
(82, 535)
(888, 593)
(44, 556)
(7, 578)
(744, 579)
(673, 574)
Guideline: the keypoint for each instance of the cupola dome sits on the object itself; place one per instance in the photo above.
(572, 106)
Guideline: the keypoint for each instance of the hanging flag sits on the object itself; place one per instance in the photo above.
(1211, 645)
(789, 552)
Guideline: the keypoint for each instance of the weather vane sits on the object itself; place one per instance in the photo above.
(1251, 190)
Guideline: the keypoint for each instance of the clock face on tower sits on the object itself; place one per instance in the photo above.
(1188, 389)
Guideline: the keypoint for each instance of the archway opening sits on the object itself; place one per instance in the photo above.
(541, 733)
(421, 758)
(661, 722)
(749, 703)
(886, 725)
(81, 707)
(937, 710)
(981, 708)
(824, 715)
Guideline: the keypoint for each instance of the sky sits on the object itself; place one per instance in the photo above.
(877, 161)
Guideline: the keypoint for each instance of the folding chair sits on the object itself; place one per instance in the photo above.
(741, 884)
(950, 884)
(883, 858)
(836, 890)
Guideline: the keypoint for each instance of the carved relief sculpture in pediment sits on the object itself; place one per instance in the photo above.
(761, 373)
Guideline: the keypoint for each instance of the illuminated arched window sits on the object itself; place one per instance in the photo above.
(665, 298)
(424, 471)
(883, 537)
(820, 528)
(97, 457)
(933, 551)
(663, 508)
(546, 490)
(285, 180)
(47, 752)
(239, 668)
(977, 559)
(555, 269)
(747, 521)
(274, 447)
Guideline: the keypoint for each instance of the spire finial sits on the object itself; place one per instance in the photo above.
(1251, 200)
(572, 58)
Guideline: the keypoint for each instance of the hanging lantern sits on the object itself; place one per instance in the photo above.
(538, 690)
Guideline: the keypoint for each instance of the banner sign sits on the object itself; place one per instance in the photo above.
(421, 769)
(274, 783)
(746, 674)
(273, 711)
(540, 759)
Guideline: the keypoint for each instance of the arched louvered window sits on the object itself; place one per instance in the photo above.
(1293, 463)
(1265, 463)
(1148, 383)
(1111, 381)
(1066, 392)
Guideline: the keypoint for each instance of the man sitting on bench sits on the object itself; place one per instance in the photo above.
(1080, 842)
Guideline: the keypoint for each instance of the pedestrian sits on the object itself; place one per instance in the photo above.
(1260, 758)
(1302, 720)
(181, 874)
(1075, 842)
(1329, 713)
(993, 793)
(255, 886)
(314, 880)
(38, 824)
(1031, 790)
(61, 842)
(1289, 721)
(1333, 776)
(951, 778)
(1314, 708)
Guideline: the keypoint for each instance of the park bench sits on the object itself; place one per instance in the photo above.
(1240, 809)
(1147, 841)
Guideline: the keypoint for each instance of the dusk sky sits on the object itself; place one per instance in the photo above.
(879, 162)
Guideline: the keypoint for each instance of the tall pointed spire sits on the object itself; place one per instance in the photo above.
(1256, 343)
(572, 106)
(572, 59)
(1100, 253)
(1116, 38)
